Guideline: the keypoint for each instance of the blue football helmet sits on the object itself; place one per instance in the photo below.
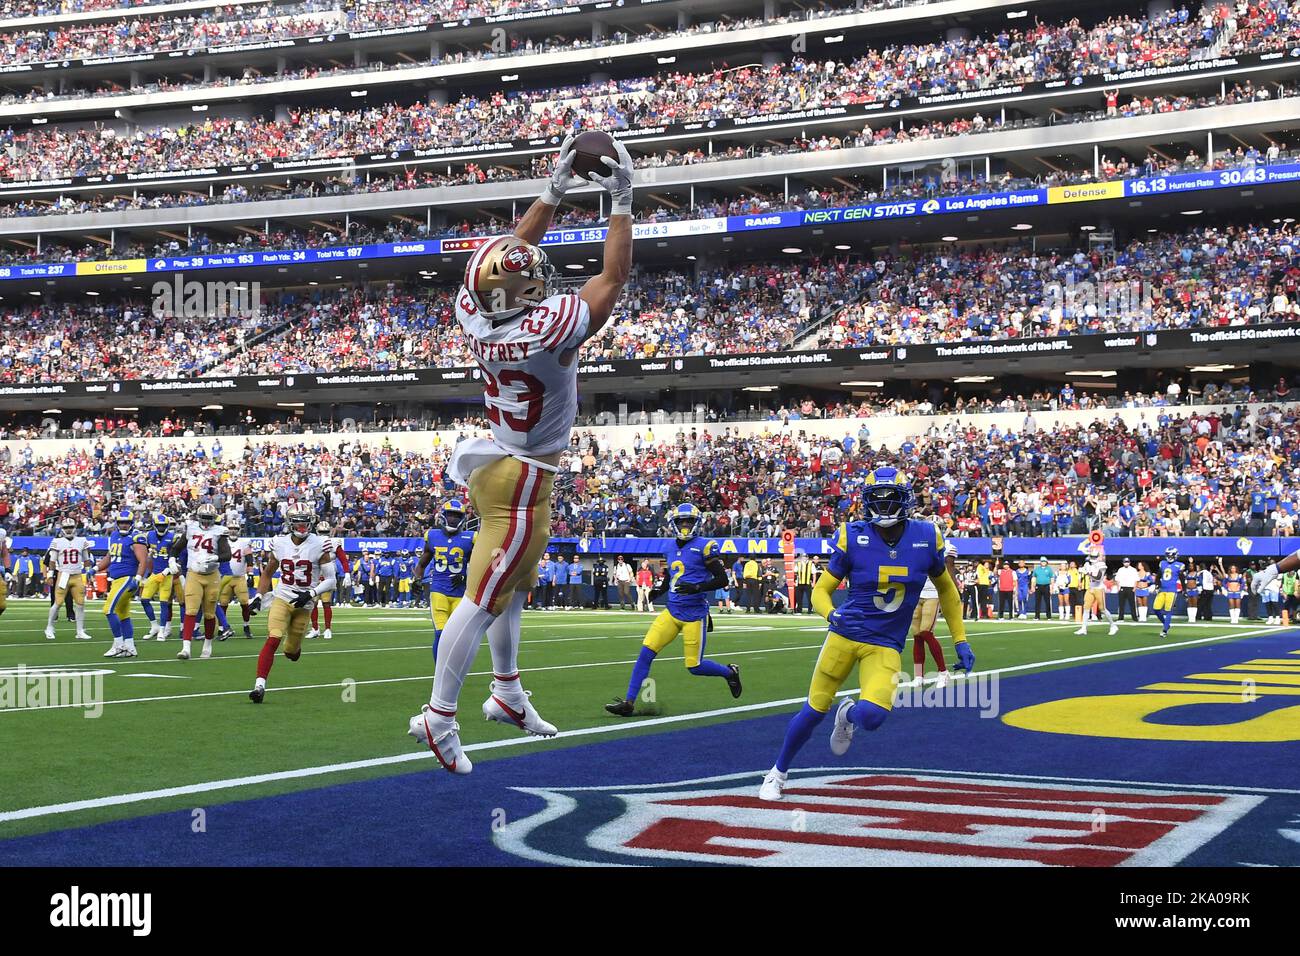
(887, 498)
(1171, 554)
(686, 520)
(125, 521)
(161, 522)
(451, 516)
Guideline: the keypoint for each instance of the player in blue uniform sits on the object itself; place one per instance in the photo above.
(1167, 582)
(694, 569)
(160, 583)
(447, 547)
(127, 561)
(886, 559)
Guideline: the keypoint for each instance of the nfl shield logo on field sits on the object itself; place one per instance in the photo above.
(872, 817)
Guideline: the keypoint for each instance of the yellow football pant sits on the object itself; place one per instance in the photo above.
(440, 608)
(1164, 601)
(513, 502)
(157, 586)
(664, 631)
(118, 601)
(878, 669)
(76, 585)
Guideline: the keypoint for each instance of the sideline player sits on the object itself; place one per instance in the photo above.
(693, 570)
(205, 545)
(886, 558)
(447, 549)
(1094, 599)
(1167, 582)
(234, 579)
(341, 569)
(923, 618)
(127, 561)
(66, 559)
(303, 565)
(525, 334)
(160, 584)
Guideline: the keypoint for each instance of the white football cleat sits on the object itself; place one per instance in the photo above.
(941, 679)
(328, 634)
(128, 652)
(207, 651)
(83, 636)
(49, 633)
(521, 714)
(842, 732)
(773, 786)
(184, 653)
(1082, 632)
(1114, 629)
(313, 634)
(154, 630)
(441, 735)
(114, 651)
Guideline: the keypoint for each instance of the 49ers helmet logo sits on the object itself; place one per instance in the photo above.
(517, 259)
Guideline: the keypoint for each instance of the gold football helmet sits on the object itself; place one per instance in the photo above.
(506, 275)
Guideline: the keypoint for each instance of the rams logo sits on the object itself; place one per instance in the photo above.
(517, 259)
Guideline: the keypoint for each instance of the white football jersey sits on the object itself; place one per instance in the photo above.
(201, 546)
(298, 565)
(928, 590)
(241, 549)
(69, 554)
(1096, 571)
(530, 370)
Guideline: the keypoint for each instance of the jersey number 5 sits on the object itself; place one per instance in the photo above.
(892, 592)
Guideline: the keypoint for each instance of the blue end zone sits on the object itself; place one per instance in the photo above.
(903, 794)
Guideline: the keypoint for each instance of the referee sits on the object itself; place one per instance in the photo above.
(805, 575)
(1126, 579)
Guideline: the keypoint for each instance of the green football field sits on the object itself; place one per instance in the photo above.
(340, 713)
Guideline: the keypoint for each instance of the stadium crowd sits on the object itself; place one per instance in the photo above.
(1205, 474)
(1214, 275)
(1041, 52)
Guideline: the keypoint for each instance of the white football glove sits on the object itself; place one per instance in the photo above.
(1264, 578)
(173, 566)
(562, 175)
(619, 181)
(254, 603)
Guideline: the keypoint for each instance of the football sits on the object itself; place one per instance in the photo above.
(589, 149)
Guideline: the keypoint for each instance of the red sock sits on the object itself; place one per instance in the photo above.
(315, 619)
(244, 608)
(329, 616)
(187, 627)
(932, 642)
(209, 627)
(267, 657)
(918, 649)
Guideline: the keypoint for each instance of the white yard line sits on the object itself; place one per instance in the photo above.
(145, 796)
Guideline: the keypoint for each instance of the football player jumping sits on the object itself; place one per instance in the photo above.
(886, 558)
(303, 564)
(525, 334)
(694, 571)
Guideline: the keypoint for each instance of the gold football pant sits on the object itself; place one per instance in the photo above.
(513, 502)
(288, 624)
(201, 593)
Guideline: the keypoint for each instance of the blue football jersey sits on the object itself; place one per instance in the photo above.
(1170, 574)
(121, 553)
(687, 563)
(884, 580)
(160, 546)
(450, 557)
